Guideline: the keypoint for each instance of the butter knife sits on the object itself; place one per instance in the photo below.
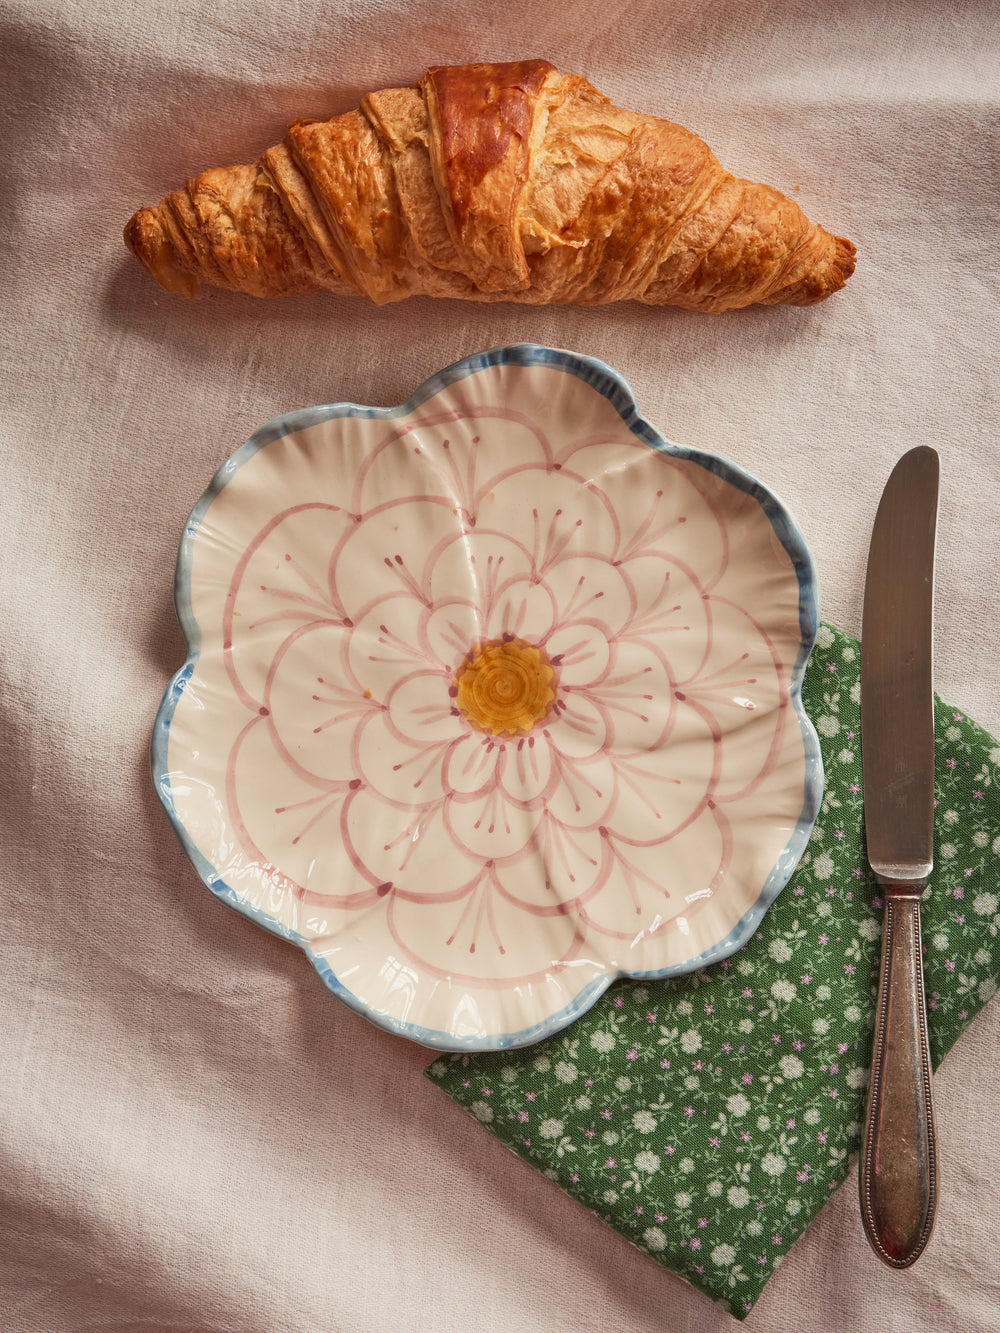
(898, 1173)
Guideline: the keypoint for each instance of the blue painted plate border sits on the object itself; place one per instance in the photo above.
(616, 390)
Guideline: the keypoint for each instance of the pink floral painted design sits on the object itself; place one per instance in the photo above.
(493, 702)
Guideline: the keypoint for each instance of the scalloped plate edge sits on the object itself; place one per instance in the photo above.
(612, 386)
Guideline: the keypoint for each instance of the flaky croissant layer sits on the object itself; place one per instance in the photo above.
(508, 182)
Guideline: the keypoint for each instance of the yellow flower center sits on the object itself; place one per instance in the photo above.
(504, 686)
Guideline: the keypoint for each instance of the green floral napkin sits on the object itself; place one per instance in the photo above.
(708, 1118)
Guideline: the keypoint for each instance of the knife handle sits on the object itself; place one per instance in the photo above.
(899, 1167)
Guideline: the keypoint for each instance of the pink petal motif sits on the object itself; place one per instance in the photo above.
(400, 848)
(485, 931)
(315, 713)
(580, 650)
(277, 586)
(556, 515)
(385, 644)
(400, 769)
(584, 790)
(643, 897)
(290, 826)
(398, 546)
(521, 607)
(449, 628)
(558, 868)
(469, 768)
(741, 693)
(476, 567)
(420, 712)
(427, 455)
(634, 695)
(489, 826)
(584, 727)
(525, 772)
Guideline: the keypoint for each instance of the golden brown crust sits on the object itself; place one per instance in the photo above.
(482, 119)
(484, 115)
(485, 182)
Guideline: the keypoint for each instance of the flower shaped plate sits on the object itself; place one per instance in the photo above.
(491, 698)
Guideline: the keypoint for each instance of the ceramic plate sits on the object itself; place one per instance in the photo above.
(491, 698)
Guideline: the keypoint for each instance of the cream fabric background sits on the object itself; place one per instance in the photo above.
(194, 1135)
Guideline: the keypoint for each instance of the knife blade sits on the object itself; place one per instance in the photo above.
(898, 1173)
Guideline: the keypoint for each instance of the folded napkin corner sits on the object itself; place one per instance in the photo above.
(708, 1119)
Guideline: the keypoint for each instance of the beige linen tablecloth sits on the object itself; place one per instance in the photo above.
(195, 1135)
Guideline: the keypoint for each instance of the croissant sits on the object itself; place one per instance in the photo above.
(505, 182)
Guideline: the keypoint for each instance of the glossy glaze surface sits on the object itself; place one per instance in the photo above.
(491, 697)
